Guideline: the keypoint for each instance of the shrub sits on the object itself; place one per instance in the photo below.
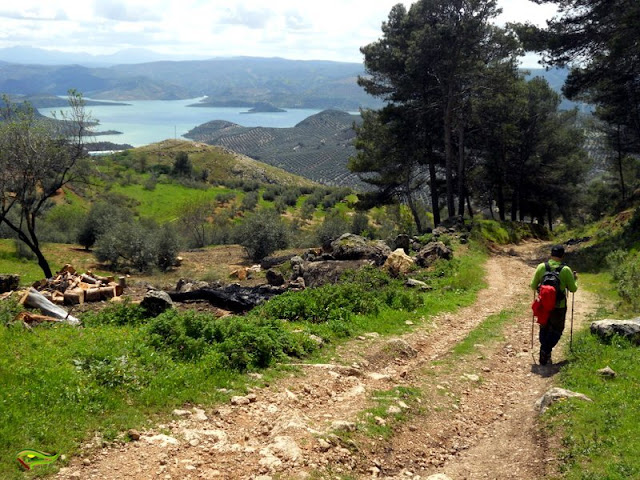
(167, 247)
(261, 234)
(102, 217)
(117, 314)
(250, 201)
(333, 225)
(182, 166)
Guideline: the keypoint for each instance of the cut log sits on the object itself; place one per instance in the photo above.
(74, 297)
(57, 298)
(86, 278)
(29, 318)
(92, 295)
(107, 293)
(118, 287)
(35, 299)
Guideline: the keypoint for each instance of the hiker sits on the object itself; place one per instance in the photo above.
(554, 272)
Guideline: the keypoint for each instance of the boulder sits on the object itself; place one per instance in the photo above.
(557, 394)
(8, 283)
(155, 302)
(432, 252)
(355, 247)
(402, 241)
(626, 328)
(274, 278)
(322, 273)
(398, 263)
(297, 284)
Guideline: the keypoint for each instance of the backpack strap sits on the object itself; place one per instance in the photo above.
(547, 266)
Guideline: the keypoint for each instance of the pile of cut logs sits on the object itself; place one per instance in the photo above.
(68, 287)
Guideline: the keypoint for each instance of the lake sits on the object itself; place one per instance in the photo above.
(148, 121)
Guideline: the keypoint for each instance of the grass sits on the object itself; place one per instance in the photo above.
(165, 201)
(379, 421)
(600, 438)
(59, 384)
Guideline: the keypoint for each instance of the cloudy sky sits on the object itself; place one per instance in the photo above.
(296, 29)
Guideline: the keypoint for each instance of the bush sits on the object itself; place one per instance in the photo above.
(625, 269)
(102, 217)
(250, 201)
(333, 225)
(182, 166)
(261, 234)
(117, 314)
(167, 247)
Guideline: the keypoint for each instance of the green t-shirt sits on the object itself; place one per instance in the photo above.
(567, 282)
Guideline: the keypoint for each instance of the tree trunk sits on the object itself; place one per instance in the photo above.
(435, 204)
(414, 213)
(620, 169)
(448, 150)
(468, 197)
(461, 168)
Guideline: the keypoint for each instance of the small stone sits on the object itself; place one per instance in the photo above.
(380, 421)
(394, 410)
(194, 443)
(252, 397)
(343, 426)
(238, 400)
(409, 322)
(181, 413)
(607, 372)
(74, 476)
(472, 377)
(323, 445)
(86, 462)
(134, 434)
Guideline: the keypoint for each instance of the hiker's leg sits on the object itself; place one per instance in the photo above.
(550, 334)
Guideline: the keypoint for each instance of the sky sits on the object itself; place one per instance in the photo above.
(294, 29)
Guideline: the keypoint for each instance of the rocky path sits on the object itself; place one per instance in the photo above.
(466, 417)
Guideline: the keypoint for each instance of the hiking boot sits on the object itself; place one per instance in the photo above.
(545, 358)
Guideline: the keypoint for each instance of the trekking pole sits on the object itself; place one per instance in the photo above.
(533, 320)
(573, 301)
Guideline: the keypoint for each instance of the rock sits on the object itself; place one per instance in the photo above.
(155, 302)
(556, 394)
(238, 400)
(286, 448)
(86, 462)
(199, 415)
(323, 445)
(162, 440)
(400, 348)
(398, 263)
(432, 252)
(472, 377)
(355, 247)
(438, 476)
(626, 328)
(297, 284)
(274, 278)
(394, 410)
(607, 372)
(319, 341)
(413, 283)
(8, 283)
(321, 273)
(181, 413)
(403, 242)
(343, 426)
(380, 421)
(231, 297)
(134, 434)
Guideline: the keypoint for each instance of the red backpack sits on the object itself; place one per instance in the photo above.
(544, 303)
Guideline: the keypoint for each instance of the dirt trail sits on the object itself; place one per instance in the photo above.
(474, 420)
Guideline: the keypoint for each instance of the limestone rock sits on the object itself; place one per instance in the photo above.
(238, 400)
(438, 476)
(343, 426)
(413, 283)
(607, 372)
(432, 252)
(626, 328)
(556, 394)
(355, 247)
(155, 302)
(398, 263)
(321, 273)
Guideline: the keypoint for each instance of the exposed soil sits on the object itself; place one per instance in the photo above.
(475, 417)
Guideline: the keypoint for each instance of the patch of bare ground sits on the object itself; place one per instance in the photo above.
(475, 418)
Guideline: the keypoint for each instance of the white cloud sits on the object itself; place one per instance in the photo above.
(330, 29)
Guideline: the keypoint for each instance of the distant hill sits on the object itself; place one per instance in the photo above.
(223, 165)
(317, 148)
(240, 81)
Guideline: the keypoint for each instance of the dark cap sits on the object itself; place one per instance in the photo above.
(557, 251)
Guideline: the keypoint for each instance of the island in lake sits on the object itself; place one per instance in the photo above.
(264, 108)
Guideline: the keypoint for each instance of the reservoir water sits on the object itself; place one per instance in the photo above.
(148, 121)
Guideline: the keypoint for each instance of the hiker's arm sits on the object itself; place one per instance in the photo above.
(537, 277)
(569, 279)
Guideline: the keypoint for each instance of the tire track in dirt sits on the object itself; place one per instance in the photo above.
(481, 425)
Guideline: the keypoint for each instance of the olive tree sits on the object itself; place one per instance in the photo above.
(38, 157)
